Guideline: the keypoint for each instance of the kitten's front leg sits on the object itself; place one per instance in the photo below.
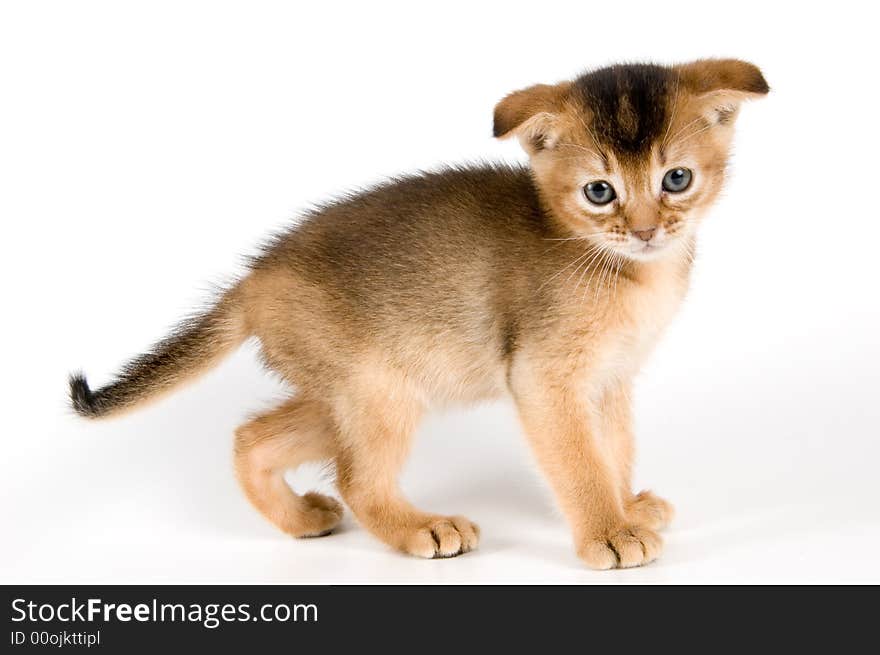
(615, 420)
(582, 470)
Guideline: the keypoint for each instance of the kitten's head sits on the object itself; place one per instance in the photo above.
(631, 156)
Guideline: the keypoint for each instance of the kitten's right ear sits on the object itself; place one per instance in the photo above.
(532, 115)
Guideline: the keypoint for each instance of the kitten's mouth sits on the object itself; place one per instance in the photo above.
(646, 251)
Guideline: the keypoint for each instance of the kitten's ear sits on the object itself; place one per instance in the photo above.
(532, 114)
(722, 84)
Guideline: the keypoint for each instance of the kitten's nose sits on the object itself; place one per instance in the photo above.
(645, 235)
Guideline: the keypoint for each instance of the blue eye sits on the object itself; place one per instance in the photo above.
(599, 193)
(677, 180)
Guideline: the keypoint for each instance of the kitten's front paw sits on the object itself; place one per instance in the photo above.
(650, 511)
(440, 537)
(623, 548)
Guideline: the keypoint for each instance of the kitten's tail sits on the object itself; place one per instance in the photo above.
(192, 348)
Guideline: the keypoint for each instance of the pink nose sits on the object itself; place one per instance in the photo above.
(645, 235)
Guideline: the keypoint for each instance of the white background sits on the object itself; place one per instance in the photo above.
(144, 147)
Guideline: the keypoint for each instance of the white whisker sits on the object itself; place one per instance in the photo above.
(569, 265)
(579, 147)
(584, 237)
(601, 269)
(693, 134)
(585, 262)
(593, 137)
(619, 263)
(586, 268)
(600, 284)
(676, 135)
(674, 107)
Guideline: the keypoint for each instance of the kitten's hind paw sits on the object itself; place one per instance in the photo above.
(316, 516)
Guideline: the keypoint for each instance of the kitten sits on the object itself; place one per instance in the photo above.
(551, 284)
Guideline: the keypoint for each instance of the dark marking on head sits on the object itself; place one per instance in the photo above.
(629, 104)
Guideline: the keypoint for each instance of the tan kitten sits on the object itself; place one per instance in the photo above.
(550, 284)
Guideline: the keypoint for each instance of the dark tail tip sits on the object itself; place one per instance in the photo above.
(81, 397)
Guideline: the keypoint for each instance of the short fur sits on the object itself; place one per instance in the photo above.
(468, 284)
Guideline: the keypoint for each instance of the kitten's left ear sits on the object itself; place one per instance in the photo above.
(722, 84)
(533, 115)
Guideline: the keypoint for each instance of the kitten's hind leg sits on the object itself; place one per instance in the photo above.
(375, 432)
(297, 431)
